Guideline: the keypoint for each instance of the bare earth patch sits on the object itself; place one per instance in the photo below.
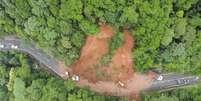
(120, 69)
(106, 79)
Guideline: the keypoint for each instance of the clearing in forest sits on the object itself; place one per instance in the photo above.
(105, 78)
(120, 67)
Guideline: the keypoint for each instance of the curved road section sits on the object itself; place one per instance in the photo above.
(13, 43)
(162, 82)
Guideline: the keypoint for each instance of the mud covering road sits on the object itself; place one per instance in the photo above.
(119, 70)
(118, 77)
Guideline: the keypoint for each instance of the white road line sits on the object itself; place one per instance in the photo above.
(172, 80)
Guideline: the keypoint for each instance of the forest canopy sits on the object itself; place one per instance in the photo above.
(167, 33)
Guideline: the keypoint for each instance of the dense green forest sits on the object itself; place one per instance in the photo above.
(167, 34)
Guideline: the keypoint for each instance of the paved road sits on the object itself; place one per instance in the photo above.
(168, 81)
(13, 43)
(172, 81)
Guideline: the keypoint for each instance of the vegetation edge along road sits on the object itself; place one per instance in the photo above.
(13, 43)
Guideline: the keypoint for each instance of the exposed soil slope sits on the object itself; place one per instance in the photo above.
(119, 69)
(94, 48)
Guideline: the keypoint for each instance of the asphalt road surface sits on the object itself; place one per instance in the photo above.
(162, 82)
(172, 81)
(13, 43)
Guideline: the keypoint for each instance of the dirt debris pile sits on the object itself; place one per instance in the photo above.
(95, 48)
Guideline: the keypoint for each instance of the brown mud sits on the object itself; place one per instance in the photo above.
(119, 69)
